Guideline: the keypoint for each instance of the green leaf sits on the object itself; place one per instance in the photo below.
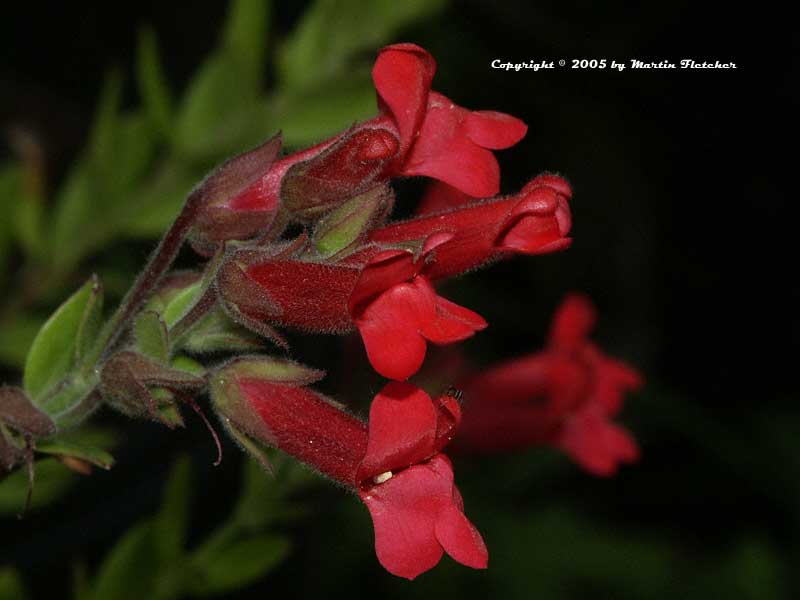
(172, 522)
(245, 37)
(159, 200)
(11, 585)
(241, 562)
(221, 109)
(53, 351)
(323, 109)
(153, 86)
(103, 190)
(96, 456)
(131, 569)
(16, 336)
(151, 336)
(52, 480)
(331, 32)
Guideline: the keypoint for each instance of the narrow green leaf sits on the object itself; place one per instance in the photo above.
(331, 32)
(153, 86)
(102, 189)
(11, 585)
(159, 199)
(324, 108)
(245, 37)
(237, 564)
(221, 109)
(96, 456)
(172, 522)
(52, 480)
(53, 351)
(104, 129)
(151, 336)
(131, 569)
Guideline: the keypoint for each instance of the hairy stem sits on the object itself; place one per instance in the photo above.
(158, 264)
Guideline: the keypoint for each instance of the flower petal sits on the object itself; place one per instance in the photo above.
(404, 511)
(460, 539)
(440, 197)
(402, 428)
(444, 152)
(390, 327)
(573, 321)
(402, 75)
(494, 130)
(452, 323)
(596, 444)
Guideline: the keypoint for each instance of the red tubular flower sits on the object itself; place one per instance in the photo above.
(418, 132)
(385, 288)
(439, 139)
(564, 396)
(395, 464)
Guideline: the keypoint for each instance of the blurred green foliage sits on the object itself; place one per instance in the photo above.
(154, 560)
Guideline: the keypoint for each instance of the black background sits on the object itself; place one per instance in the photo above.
(682, 233)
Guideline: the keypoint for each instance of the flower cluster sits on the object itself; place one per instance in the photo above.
(305, 242)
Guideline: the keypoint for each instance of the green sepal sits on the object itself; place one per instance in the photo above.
(217, 333)
(180, 303)
(151, 335)
(349, 223)
(249, 445)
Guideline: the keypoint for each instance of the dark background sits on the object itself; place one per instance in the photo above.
(682, 238)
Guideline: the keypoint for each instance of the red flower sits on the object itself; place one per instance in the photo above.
(439, 139)
(384, 289)
(419, 132)
(564, 396)
(408, 487)
(395, 464)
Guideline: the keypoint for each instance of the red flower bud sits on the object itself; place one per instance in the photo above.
(347, 168)
(220, 217)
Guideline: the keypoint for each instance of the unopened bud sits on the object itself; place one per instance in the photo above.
(354, 164)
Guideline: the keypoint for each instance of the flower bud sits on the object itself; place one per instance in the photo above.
(265, 399)
(220, 218)
(347, 168)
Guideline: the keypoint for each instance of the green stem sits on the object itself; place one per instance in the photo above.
(158, 264)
